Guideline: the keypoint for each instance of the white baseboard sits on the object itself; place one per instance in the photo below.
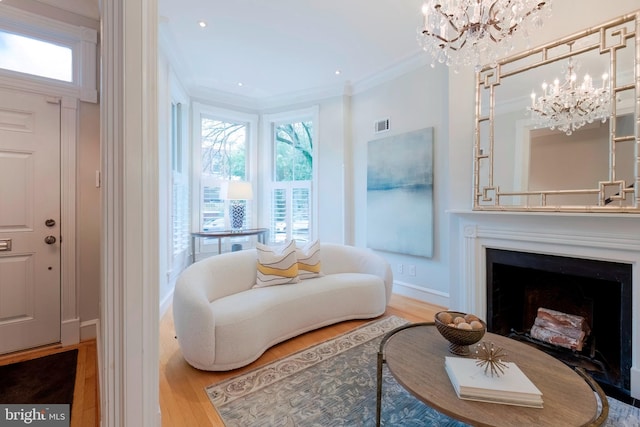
(420, 293)
(70, 332)
(73, 331)
(166, 303)
(89, 330)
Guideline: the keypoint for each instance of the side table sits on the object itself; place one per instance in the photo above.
(261, 234)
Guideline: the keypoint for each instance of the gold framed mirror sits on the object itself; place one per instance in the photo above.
(558, 126)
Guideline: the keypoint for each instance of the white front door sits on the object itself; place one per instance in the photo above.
(30, 235)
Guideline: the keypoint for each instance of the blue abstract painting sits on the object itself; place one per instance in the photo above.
(400, 193)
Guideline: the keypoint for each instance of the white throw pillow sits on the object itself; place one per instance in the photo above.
(277, 265)
(309, 264)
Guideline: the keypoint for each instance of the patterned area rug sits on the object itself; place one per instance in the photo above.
(334, 384)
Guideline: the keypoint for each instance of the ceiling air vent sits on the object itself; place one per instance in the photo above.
(381, 126)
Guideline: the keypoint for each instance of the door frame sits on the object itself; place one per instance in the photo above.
(69, 295)
(128, 344)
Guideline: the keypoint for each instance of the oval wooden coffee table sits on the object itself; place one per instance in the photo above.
(415, 356)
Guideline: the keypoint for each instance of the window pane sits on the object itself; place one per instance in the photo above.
(223, 149)
(293, 151)
(212, 209)
(31, 56)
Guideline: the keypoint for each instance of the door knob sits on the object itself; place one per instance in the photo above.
(50, 240)
(50, 222)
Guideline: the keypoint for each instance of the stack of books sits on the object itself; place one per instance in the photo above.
(511, 388)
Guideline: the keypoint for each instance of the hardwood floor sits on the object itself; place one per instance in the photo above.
(183, 401)
(85, 410)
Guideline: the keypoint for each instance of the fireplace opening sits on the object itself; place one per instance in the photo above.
(520, 283)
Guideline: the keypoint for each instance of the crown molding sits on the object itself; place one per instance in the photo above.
(86, 8)
(400, 68)
(74, 12)
(209, 95)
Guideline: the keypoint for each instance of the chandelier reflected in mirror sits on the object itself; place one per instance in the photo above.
(569, 105)
(476, 32)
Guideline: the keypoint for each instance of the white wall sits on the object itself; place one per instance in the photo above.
(332, 161)
(413, 101)
(88, 214)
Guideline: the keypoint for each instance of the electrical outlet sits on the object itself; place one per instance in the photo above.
(411, 269)
(400, 269)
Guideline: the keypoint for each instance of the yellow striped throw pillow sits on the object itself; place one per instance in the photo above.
(309, 260)
(276, 265)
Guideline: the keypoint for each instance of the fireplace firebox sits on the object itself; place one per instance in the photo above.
(519, 283)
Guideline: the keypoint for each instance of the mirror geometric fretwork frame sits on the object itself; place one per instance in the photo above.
(520, 165)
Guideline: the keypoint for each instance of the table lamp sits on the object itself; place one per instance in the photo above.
(236, 191)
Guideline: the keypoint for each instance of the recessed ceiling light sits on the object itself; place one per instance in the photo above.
(338, 72)
(202, 24)
(240, 84)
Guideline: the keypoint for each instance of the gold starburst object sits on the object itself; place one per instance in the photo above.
(491, 358)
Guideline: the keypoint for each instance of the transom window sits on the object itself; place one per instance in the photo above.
(36, 57)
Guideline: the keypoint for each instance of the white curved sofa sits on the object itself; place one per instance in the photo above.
(223, 323)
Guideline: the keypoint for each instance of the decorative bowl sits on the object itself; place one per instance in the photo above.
(459, 338)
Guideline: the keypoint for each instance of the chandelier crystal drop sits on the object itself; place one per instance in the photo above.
(476, 32)
(568, 106)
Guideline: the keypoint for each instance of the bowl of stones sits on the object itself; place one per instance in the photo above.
(460, 329)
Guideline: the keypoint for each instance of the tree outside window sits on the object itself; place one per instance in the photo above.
(223, 158)
(293, 174)
(294, 151)
(224, 147)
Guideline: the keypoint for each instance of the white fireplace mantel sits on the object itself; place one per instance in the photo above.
(614, 238)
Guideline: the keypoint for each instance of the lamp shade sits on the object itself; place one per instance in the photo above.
(236, 190)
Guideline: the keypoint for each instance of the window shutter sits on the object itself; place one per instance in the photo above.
(180, 213)
(278, 225)
(301, 212)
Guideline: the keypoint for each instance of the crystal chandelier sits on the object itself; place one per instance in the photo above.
(476, 32)
(568, 106)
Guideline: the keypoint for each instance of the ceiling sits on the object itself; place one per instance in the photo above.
(273, 49)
